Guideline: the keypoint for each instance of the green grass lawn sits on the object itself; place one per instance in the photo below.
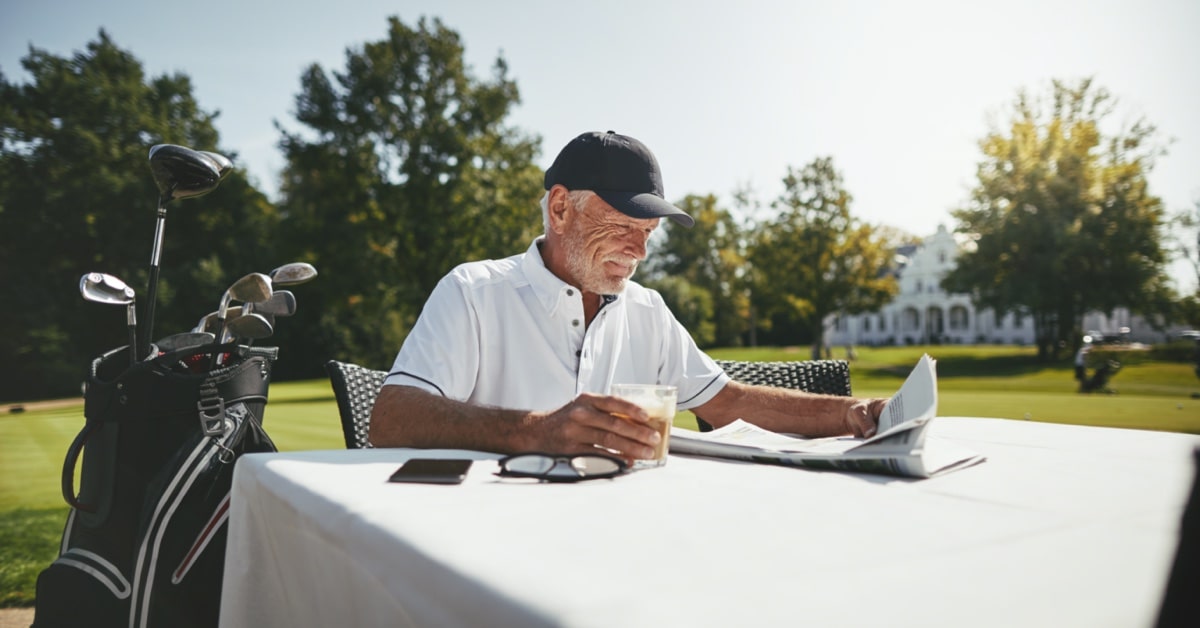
(990, 381)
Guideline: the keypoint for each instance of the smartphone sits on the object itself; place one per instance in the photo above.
(432, 471)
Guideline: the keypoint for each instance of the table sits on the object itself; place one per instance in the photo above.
(1061, 526)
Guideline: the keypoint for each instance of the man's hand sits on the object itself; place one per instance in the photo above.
(862, 418)
(596, 421)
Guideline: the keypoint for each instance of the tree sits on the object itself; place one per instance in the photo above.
(76, 196)
(708, 258)
(1185, 235)
(815, 259)
(1062, 216)
(405, 169)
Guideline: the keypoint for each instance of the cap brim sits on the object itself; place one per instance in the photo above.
(645, 205)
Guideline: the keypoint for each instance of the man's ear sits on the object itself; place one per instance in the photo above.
(559, 204)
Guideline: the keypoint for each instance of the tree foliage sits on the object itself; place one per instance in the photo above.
(1185, 236)
(815, 259)
(77, 195)
(1063, 217)
(709, 258)
(404, 169)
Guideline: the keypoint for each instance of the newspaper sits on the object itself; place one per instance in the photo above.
(900, 446)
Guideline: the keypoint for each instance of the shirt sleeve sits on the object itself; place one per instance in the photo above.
(697, 376)
(441, 353)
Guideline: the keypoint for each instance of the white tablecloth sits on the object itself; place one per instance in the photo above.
(1061, 526)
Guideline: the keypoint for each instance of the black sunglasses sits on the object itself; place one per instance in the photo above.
(556, 468)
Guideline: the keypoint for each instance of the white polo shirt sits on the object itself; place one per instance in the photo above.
(508, 333)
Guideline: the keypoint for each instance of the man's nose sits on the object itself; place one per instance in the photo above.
(637, 245)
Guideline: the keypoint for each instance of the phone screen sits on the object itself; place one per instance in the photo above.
(432, 471)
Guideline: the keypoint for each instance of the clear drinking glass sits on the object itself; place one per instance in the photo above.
(659, 402)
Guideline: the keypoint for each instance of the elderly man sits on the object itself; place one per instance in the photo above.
(519, 354)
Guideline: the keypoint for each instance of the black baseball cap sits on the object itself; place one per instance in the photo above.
(620, 170)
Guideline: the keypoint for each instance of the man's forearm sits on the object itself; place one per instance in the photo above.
(405, 416)
(778, 410)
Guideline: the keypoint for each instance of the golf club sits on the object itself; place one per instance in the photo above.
(281, 303)
(103, 288)
(179, 172)
(208, 322)
(223, 163)
(233, 315)
(293, 274)
(251, 326)
(252, 287)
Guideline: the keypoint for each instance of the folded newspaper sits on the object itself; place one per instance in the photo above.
(900, 446)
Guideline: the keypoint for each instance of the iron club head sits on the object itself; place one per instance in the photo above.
(293, 274)
(107, 289)
(281, 303)
(252, 326)
(254, 287)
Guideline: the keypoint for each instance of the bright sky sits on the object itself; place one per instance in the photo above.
(727, 94)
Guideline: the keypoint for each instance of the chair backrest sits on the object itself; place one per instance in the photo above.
(355, 389)
(824, 377)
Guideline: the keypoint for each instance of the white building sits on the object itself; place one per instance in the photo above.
(923, 313)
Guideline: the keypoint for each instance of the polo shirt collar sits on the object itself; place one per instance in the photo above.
(548, 288)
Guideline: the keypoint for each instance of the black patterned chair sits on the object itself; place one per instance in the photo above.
(355, 388)
(825, 377)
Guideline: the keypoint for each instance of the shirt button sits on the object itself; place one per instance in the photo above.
(570, 292)
(577, 353)
(575, 323)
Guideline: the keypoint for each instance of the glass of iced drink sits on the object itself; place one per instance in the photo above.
(659, 402)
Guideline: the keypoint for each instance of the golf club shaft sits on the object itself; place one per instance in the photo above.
(131, 321)
(152, 291)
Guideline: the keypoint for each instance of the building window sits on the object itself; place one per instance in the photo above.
(866, 323)
(882, 322)
(958, 318)
(1018, 320)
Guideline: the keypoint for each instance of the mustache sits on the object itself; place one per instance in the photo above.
(624, 260)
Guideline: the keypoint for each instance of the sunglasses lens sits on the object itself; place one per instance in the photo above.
(595, 465)
(529, 464)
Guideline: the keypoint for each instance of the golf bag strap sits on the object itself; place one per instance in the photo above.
(68, 472)
(211, 408)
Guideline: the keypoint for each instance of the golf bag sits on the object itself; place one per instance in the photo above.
(144, 543)
(1098, 382)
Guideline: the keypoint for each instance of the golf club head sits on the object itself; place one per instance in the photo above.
(293, 274)
(281, 303)
(211, 322)
(248, 308)
(250, 288)
(252, 326)
(105, 288)
(207, 323)
(181, 172)
(223, 163)
(185, 340)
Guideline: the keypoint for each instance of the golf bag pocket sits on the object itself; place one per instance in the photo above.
(144, 542)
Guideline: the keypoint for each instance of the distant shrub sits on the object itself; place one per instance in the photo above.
(1181, 350)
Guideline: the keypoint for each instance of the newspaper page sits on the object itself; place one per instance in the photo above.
(899, 448)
